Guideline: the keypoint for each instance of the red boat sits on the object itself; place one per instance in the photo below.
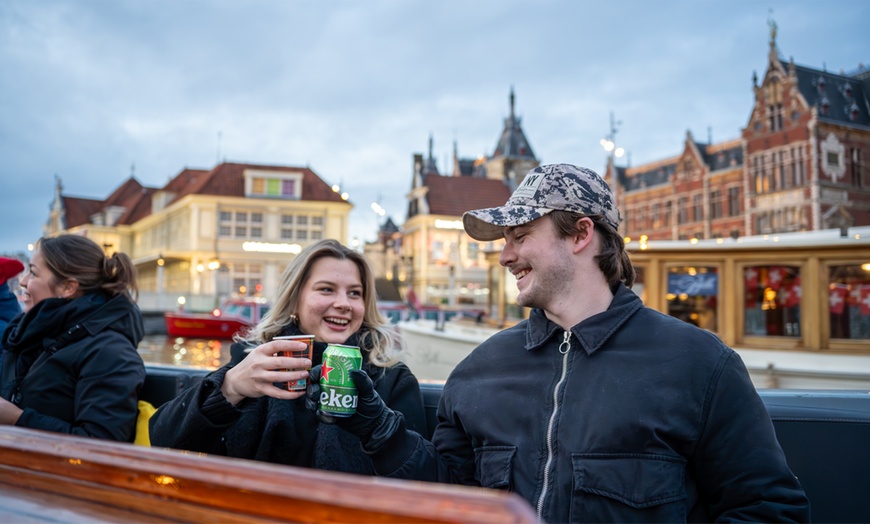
(224, 322)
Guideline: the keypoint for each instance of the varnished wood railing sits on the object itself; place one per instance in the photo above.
(52, 477)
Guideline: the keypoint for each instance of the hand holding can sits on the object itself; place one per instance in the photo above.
(307, 352)
(338, 394)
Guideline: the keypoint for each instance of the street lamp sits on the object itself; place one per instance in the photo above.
(609, 145)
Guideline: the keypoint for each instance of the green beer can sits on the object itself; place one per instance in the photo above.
(338, 396)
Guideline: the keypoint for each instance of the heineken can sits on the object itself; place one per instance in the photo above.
(338, 394)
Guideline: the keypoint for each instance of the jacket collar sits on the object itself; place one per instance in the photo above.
(591, 333)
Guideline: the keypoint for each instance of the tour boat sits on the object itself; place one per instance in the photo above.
(234, 315)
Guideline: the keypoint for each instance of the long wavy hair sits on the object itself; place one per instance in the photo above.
(613, 259)
(74, 257)
(384, 345)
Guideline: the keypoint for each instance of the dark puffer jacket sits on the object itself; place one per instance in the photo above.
(275, 430)
(72, 365)
(631, 416)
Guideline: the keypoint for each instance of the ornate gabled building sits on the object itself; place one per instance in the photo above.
(208, 234)
(807, 148)
(438, 260)
(800, 164)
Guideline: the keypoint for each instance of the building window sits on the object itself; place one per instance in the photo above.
(734, 201)
(774, 117)
(682, 210)
(715, 204)
(240, 224)
(273, 184)
(849, 302)
(697, 207)
(693, 295)
(773, 300)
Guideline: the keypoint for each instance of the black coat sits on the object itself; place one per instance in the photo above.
(630, 416)
(72, 365)
(274, 430)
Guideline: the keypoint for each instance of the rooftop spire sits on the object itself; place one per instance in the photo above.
(513, 99)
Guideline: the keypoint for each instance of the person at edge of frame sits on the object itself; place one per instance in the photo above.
(596, 408)
(71, 363)
(9, 306)
(241, 410)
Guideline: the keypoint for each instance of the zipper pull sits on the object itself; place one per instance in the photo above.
(565, 346)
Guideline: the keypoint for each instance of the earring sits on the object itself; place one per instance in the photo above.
(294, 318)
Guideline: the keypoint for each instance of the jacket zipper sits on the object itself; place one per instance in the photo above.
(564, 348)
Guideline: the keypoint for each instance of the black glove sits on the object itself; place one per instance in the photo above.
(374, 423)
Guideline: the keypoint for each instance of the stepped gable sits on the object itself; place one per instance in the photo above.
(453, 196)
(513, 142)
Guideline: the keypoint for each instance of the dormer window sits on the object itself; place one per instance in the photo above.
(853, 111)
(273, 184)
(820, 84)
(847, 91)
(825, 106)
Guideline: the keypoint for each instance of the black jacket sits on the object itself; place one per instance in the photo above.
(274, 430)
(72, 365)
(631, 416)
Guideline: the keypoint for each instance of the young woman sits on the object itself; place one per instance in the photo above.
(71, 363)
(327, 291)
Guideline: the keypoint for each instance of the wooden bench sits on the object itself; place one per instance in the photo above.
(51, 477)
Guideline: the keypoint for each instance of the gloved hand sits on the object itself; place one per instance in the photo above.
(374, 423)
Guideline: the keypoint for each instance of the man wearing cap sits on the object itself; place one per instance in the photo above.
(9, 306)
(596, 408)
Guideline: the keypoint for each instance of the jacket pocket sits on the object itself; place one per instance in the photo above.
(493, 465)
(628, 487)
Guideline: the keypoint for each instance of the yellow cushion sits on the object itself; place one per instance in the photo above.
(145, 412)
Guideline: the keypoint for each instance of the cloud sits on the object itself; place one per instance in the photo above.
(352, 89)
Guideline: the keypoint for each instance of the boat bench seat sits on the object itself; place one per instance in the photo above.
(164, 383)
(825, 436)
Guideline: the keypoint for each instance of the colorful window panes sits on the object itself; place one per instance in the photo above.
(773, 301)
(849, 302)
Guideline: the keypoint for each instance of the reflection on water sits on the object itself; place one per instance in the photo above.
(191, 352)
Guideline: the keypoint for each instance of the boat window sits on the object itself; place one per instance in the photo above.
(231, 309)
(773, 299)
(247, 312)
(263, 310)
(849, 302)
(693, 295)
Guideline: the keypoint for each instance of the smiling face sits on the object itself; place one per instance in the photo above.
(540, 260)
(331, 305)
(39, 282)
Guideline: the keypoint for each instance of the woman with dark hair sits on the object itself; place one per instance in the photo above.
(71, 363)
(327, 291)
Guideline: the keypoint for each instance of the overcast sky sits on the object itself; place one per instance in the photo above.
(89, 88)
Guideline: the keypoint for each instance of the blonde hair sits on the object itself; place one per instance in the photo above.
(384, 344)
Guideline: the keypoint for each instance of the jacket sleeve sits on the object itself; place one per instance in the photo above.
(449, 458)
(739, 464)
(197, 419)
(106, 394)
(404, 396)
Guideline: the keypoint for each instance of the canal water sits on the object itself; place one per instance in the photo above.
(189, 352)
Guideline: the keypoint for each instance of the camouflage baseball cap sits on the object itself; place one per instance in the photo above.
(547, 188)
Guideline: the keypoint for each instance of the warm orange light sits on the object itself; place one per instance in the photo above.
(216, 312)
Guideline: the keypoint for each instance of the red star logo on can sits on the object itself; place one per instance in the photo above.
(324, 372)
